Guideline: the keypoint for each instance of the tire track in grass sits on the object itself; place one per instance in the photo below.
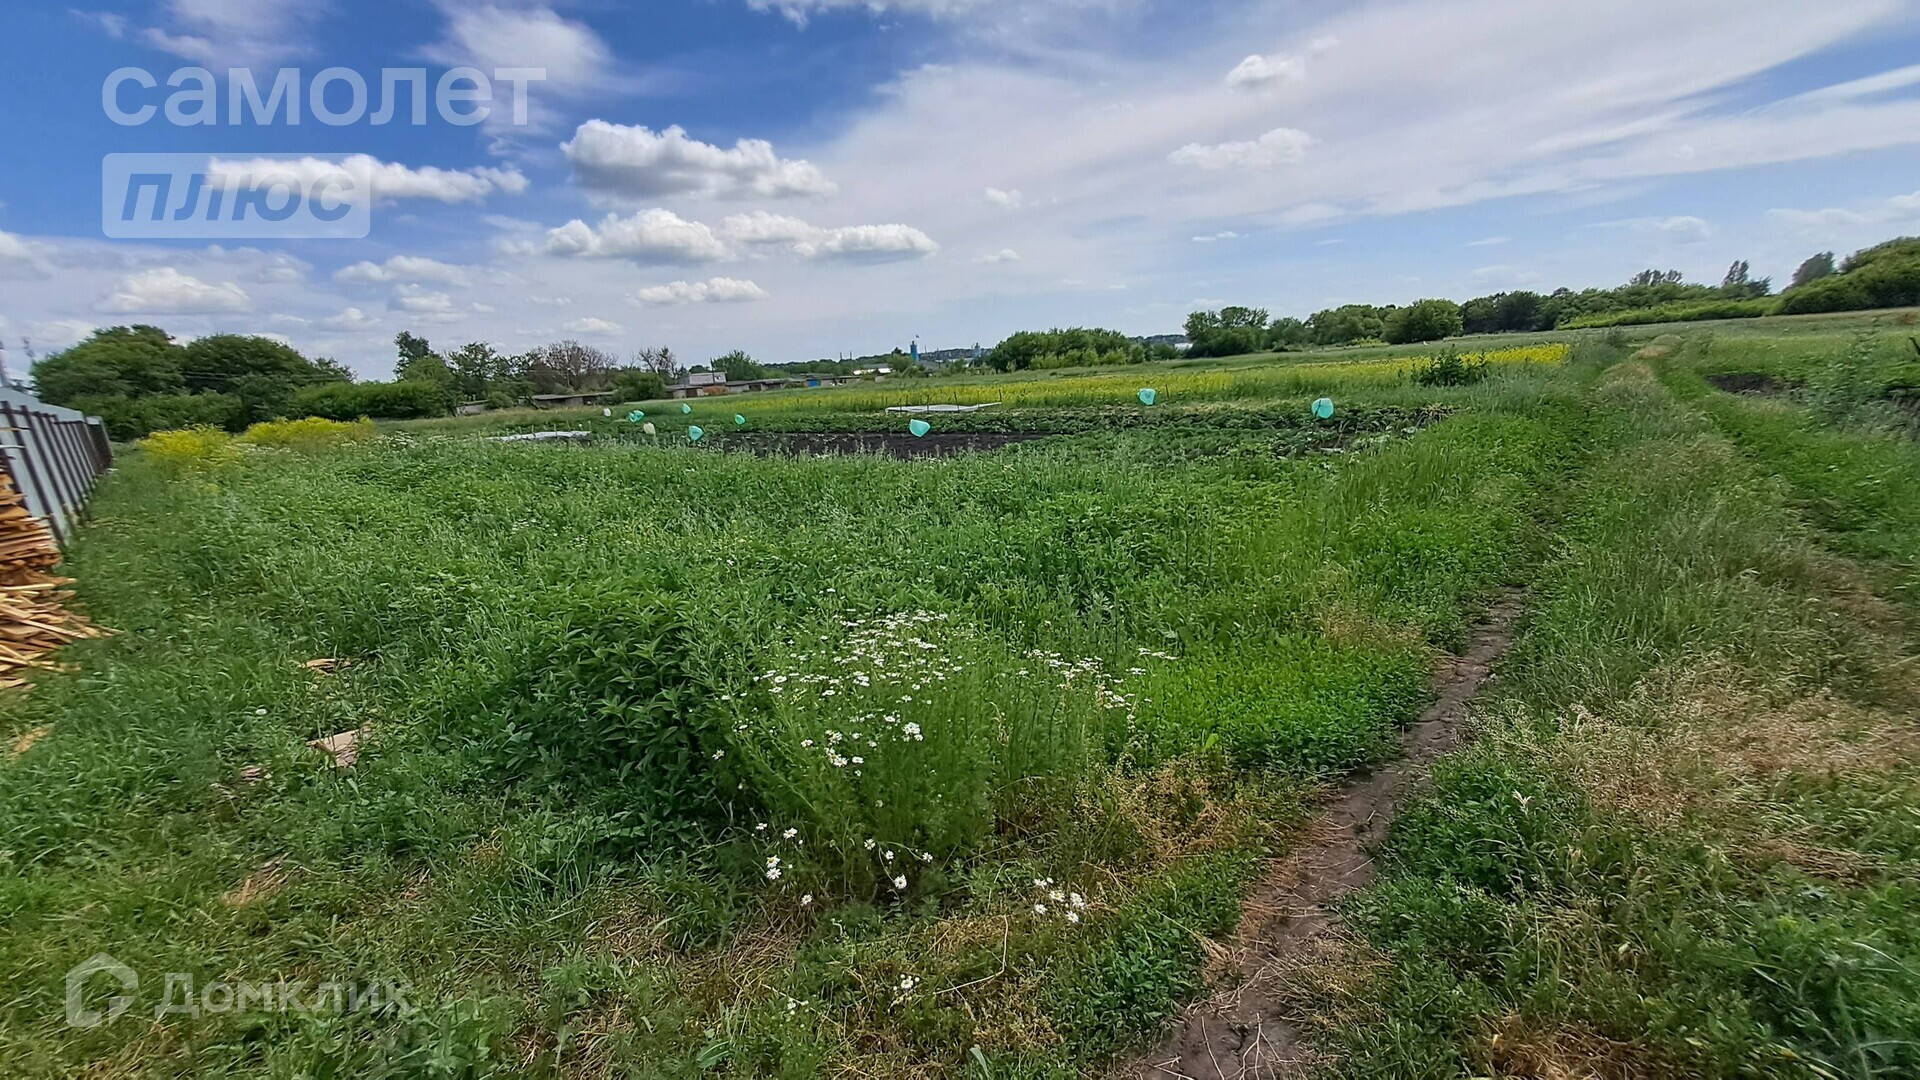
(1247, 1032)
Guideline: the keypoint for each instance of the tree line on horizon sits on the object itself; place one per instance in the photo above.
(1881, 276)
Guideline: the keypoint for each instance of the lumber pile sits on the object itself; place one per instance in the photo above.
(34, 620)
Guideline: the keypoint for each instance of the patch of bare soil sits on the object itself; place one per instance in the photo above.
(1748, 382)
(1249, 1030)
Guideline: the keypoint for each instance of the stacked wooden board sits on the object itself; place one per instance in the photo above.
(34, 620)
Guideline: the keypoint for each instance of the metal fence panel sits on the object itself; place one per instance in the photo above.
(54, 455)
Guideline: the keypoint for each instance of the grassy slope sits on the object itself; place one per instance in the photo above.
(1687, 843)
(549, 909)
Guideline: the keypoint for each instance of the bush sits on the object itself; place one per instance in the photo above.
(191, 449)
(1666, 313)
(633, 385)
(1884, 282)
(1452, 369)
(308, 435)
(129, 418)
(407, 399)
(613, 712)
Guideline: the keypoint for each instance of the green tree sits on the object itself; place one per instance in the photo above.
(1288, 332)
(419, 363)
(1346, 324)
(1426, 320)
(639, 384)
(120, 361)
(740, 367)
(1815, 268)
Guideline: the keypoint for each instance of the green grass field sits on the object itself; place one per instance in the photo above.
(678, 762)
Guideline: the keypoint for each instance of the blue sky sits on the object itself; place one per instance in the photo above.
(803, 178)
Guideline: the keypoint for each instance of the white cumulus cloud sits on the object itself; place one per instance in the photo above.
(854, 243)
(390, 181)
(1007, 198)
(1281, 146)
(591, 325)
(401, 268)
(719, 290)
(1004, 255)
(648, 236)
(625, 162)
(167, 291)
(349, 319)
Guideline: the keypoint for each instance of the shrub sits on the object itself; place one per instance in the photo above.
(308, 435)
(130, 418)
(194, 448)
(1885, 282)
(1666, 313)
(613, 711)
(403, 400)
(1452, 369)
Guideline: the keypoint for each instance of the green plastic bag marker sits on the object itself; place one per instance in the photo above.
(636, 416)
(1323, 408)
(739, 421)
(1148, 396)
(686, 408)
(919, 427)
(694, 432)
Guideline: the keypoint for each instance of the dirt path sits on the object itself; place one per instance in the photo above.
(1246, 1033)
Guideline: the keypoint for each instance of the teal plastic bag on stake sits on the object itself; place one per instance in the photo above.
(1323, 408)
(686, 408)
(1148, 396)
(739, 421)
(694, 432)
(919, 427)
(636, 416)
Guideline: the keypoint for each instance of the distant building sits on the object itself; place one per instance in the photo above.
(699, 384)
(470, 408)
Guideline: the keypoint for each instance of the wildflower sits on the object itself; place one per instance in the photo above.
(807, 900)
(1039, 909)
(926, 856)
(912, 731)
(1073, 917)
(900, 882)
(1056, 895)
(762, 827)
(870, 844)
(908, 982)
(887, 855)
(806, 744)
(859, 761)
(718, 754)
(790, 833)
(1077, 900)
(259, 712)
